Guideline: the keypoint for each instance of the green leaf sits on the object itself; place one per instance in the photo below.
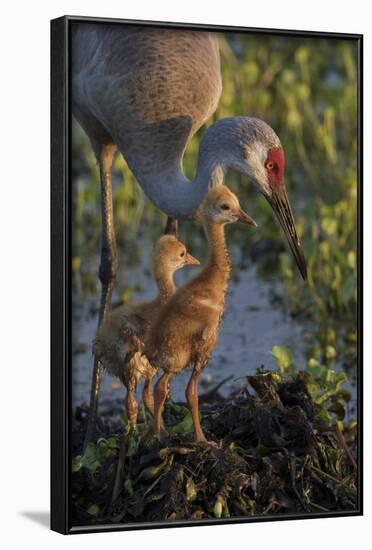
(77, 463)
(283, 357)
(191, 492)
(93, 510)
(185, 426)
(132, 442)
(97, 453)
(338, 409)
(152, 472)
(330, 352)
(218, 507)
(323, 416)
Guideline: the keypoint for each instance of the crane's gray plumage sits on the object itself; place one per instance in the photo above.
(148, 91)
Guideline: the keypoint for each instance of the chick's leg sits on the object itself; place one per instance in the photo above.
(131, 406)
(148, 396)
(193, 402)
(160, 395)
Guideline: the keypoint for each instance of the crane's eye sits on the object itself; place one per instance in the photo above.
(182, 254)
(269, 165)
(225, 206)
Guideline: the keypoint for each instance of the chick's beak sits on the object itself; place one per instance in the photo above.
(243, 217)
(190, 260)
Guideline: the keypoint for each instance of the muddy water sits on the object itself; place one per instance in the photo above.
(250, 328)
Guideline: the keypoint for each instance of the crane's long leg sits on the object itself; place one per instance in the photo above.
(107, 272)
(171, 227)
(160, 395)
(193, 402)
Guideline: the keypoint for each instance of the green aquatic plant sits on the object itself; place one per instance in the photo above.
(95, 454)
(325, 386)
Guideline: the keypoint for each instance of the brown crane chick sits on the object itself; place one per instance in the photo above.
(185, 331)
(119, 341)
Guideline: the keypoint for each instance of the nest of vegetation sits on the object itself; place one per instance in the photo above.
(277, 455)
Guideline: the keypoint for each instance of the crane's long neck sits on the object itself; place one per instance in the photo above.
(160, 173)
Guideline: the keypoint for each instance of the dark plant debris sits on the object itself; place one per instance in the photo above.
(279, 452)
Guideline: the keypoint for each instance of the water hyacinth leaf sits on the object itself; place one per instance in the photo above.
(185, 426)
(112, 442)
(95, 454)
(180, 410)
(323, 416)
(104, 450)
(338, 409)
(132, 442)
(344, 394)
(77, 463)
(283, 358)
(90, 458)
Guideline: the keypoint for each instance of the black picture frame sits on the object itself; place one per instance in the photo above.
(61, 276)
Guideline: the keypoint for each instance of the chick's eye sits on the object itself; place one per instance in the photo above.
(269, 165)
(182, 254)
(225, 207)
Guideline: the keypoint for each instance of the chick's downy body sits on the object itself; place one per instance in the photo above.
(119, 340)
(185, 331)
(188, 323)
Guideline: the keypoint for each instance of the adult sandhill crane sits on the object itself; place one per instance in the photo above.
(145, 91)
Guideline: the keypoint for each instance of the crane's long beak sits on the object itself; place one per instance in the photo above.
(280, 204)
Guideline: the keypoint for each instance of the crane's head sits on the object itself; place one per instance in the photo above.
(258, 153)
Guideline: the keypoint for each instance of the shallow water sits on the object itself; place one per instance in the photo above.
(250, 328)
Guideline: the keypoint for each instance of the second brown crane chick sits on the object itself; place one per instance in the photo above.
(186, 330)
(119, 340)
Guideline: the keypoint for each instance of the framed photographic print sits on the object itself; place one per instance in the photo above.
(206, 274)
